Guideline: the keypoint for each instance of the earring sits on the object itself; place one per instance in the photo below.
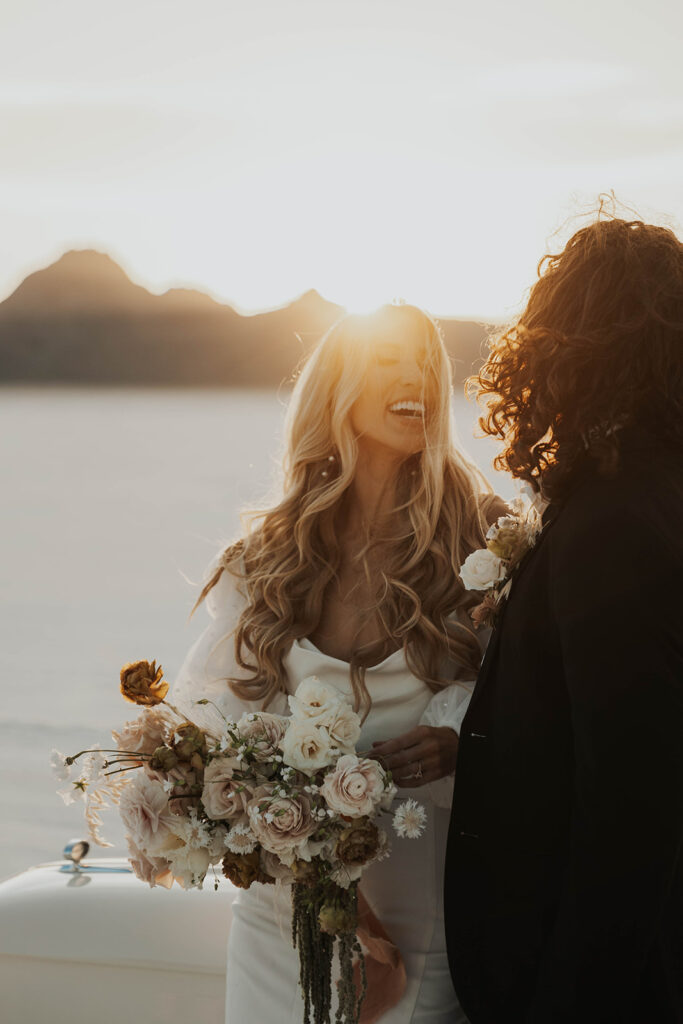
(330, 459)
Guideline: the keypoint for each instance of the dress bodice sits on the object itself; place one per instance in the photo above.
(399, 698)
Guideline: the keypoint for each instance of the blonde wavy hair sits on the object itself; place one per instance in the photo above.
(291, 554)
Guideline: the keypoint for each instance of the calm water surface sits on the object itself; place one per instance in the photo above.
(113, 503)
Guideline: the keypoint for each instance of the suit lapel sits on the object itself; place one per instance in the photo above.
(489, 660)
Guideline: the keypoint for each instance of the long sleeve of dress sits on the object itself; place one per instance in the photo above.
(211, 662)
(447, 708)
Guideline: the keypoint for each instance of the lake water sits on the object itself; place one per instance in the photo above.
(113, 503)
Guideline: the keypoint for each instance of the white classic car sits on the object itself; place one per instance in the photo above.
(83, 941)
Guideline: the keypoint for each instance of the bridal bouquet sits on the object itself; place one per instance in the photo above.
(269, 798)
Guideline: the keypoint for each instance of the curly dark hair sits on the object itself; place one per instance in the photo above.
(598, 346)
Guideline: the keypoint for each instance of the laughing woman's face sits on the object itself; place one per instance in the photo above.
(389, 415)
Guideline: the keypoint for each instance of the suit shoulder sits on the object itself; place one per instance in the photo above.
(639, 510)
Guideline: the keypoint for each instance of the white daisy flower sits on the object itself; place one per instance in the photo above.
(410, 819)
(193, 831)
(240, 839)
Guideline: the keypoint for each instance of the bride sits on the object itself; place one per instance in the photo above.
(352, 577)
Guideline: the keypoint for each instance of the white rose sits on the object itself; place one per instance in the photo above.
(481, 570)
(305, 747)
(314, 700)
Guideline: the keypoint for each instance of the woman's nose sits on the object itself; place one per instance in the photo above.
(410, 372)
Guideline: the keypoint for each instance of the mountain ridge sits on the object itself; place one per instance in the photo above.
(82, 320)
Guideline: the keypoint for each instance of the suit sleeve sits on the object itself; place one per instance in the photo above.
(615, 589)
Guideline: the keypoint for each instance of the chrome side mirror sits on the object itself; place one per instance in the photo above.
(75, 850)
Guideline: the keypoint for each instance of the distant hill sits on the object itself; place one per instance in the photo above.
(83, 321)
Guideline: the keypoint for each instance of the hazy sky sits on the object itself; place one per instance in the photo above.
(366, 148)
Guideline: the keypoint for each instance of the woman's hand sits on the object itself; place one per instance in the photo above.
(420, 756)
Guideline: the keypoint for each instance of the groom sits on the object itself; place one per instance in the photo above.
(564, 891)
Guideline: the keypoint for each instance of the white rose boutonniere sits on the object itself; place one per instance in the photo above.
(491, 568)
(481, 570)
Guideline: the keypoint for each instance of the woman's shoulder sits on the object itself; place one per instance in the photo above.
(224, 589)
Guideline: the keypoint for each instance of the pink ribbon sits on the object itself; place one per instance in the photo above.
(384, 967)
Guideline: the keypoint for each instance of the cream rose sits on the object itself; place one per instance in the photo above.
(264, 731)
(223, 797)
(315, 700)
(343, 727)
(355, 787)
(148, 819)
(481, 570)
(281, 824)
(306, 747)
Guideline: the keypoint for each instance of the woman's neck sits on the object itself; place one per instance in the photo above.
(372, 494)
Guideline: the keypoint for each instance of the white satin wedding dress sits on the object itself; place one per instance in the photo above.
(405, 890)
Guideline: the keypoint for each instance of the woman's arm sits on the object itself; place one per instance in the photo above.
(211, 661)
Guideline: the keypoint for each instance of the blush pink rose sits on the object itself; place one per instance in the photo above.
(144, 810)
(264, 731)
(144, 734)
(224, 799)
(355, 787)
(281, 824)
(152, 870)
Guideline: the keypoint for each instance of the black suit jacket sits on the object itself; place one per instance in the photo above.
(564, 874)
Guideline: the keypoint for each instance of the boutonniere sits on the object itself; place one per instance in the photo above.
(490, 570)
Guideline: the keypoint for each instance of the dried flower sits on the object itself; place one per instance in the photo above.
(165, 759)
(358, 844)
(484, 614)
(188, 740)
(337, 920)
(410, 819)
(505, 536)
(244, 868)
(143, 683)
